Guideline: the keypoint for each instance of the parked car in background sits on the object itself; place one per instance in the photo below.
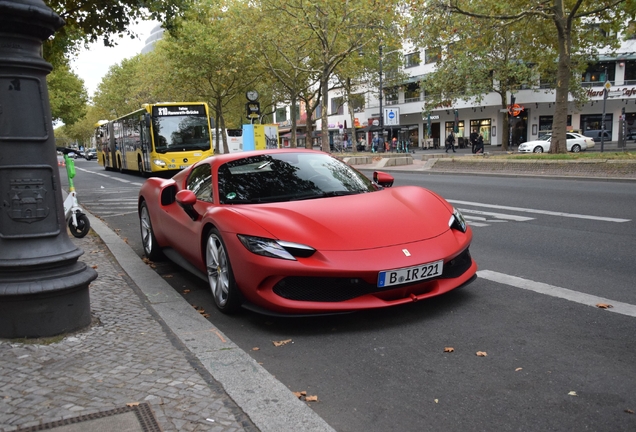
(575, 143)
(279, 231)
(597, 134)
(90, 154)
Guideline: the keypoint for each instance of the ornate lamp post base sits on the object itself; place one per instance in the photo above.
(43, 288)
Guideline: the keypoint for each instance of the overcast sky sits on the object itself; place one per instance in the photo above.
(92, 64)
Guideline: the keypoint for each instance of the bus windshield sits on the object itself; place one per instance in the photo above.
(178, 132)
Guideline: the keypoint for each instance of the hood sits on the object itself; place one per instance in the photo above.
(376, 219)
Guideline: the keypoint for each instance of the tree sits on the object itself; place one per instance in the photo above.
(573, 26)
(207, 56)
(89, 21)
(338, 30)
(67, 95)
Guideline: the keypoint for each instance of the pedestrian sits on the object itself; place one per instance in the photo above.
(479, 147)
(450, 143)
(473, 141)
(374, 144)
(393, 144)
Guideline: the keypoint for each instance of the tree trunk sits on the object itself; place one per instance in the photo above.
(324, 121)
(559, 121)
(292, 115)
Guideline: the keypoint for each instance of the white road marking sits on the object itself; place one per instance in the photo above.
(497, 215)
(103, 215)
(545, 212)
(554, 291)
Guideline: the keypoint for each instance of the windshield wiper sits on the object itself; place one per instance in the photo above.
(325, 195)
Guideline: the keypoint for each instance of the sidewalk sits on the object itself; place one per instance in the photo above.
(148, 362)
(463, 162)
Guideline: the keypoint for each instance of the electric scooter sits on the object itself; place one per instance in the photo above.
(77, 221)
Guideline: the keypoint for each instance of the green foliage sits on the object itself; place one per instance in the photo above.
(67, 95)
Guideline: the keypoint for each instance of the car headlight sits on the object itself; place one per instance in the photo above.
(457, 221)
(159, 162)
(276, 248)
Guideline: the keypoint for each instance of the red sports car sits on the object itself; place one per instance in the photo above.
(300, 232)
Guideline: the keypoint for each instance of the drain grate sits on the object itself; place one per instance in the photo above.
(145, 421)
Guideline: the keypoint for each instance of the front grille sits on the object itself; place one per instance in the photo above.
(325, 289)
(322, 289)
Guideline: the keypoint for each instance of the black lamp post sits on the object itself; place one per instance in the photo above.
(381, 113)
(43, 288)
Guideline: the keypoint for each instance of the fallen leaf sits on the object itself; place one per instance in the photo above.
(481, 353)
(167, 276)
(297, 394)
(201, 311)
(628, 411)
(125, 239)
(518, 369)
(436, 400)
(311, 398)
(205, 315)
(604, 306)
(281, 343)
(255, 349)
(132, 404)
(94, 266)
(449, 349)
(186, 291)
(572, 393)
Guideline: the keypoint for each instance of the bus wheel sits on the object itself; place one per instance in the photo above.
(105, 163)
(141, 168)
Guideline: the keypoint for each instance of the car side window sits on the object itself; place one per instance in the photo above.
(200, 182)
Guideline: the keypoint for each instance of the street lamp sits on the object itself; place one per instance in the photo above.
(381, 113)
(43, 287)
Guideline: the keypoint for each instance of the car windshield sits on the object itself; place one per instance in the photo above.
(288, 177)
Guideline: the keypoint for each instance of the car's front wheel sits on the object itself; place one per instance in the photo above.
(538, 149)
(226, 295)
(148, 240)
(576, 148)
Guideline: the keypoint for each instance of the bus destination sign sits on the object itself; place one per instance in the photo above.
(176, 110)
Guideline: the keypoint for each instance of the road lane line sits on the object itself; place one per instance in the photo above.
(554, 291)
(497, 215)
(544, 212)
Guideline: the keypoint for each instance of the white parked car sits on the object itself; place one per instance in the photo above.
(575, 143)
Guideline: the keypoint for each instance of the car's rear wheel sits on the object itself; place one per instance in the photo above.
(537, 149)
(148, 240)
(576, 148)
(226, 295)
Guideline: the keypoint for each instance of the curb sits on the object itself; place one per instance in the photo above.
(270, 405)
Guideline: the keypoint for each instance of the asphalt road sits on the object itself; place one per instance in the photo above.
(548, 252)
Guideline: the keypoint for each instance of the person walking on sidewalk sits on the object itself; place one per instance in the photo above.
(450, 142)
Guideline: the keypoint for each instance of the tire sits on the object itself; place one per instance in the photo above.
(226, 294)
(537, 149)
(576, 148)
(148, 240)
(105, 161)
(83, 225)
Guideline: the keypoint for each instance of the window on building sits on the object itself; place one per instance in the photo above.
(432, 55)
(545, 125)
(337, 106)
(391, 95)
(449, 127)
(281, 115)
(412, 60)
(481, 127)
(357, 102)
(630, 72)
(412, 92)
(595, 74)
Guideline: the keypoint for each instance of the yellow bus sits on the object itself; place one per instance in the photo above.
(156, 138)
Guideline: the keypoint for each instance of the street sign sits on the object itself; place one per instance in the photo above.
(607, 85)
(391, 116)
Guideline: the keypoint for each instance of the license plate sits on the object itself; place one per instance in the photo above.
(183, 166)
(410, 274)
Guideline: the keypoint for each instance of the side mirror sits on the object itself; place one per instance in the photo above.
(187, 199)
(383, 179)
